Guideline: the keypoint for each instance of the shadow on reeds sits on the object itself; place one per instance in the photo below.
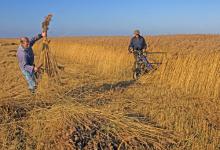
(88, 89)
(115, 86)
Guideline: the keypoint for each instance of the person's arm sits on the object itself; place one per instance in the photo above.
(36, 38)
(29, 68)
(131, 45)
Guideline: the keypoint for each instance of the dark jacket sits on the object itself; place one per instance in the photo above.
(138, 43)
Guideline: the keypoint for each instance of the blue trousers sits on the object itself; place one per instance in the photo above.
(30, 78)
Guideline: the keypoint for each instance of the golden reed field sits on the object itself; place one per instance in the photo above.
(97, 105)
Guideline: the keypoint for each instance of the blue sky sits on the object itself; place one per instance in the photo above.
(110, 17)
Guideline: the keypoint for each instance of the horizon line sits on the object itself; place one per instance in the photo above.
(178, 34)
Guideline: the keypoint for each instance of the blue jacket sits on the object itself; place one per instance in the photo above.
(138, 43)
(26, 56)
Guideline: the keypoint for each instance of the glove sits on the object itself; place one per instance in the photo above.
(130, 50)
(145, 53)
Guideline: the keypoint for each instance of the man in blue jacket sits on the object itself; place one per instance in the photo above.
(138, 43)
(25, 57)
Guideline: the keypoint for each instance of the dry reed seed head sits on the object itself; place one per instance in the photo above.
(46, 23)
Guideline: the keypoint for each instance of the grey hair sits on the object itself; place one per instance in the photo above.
(22, 39)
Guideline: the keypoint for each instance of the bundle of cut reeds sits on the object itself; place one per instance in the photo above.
(47, 62)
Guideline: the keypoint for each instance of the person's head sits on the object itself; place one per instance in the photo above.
(136, 33)
(25, 43)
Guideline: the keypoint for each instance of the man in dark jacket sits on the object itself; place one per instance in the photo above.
(25, 57)
(138, 43)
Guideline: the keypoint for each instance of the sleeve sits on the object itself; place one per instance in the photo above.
(23, 63)
(34, 39)
(131, 45)
(29, 68)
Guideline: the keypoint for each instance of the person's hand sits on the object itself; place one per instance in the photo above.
(130, 50)
(44, 34)
(35, 69)
(145, 53)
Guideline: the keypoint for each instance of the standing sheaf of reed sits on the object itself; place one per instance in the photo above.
(47, 61)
